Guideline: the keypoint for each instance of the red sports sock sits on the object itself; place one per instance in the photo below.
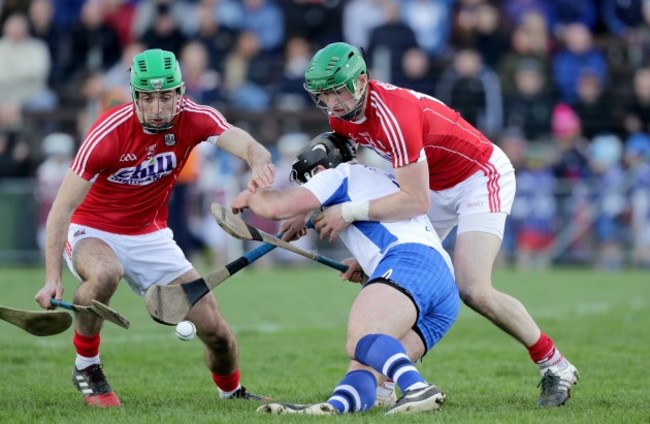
(227, 383)
(542, 350)
(87, 346)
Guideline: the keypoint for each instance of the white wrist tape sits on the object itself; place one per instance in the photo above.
(355, 211)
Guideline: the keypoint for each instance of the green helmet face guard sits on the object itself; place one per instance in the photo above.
(156, 71)
(333, 70)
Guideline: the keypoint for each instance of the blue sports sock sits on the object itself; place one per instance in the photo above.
(387, 355)
(356, 392)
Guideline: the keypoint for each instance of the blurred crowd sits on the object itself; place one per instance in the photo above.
(563, 86)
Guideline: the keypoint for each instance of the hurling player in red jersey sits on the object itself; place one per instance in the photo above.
(444, 166)
(109, 219)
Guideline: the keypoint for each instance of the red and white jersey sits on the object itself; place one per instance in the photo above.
(403, 126)
(133, 172)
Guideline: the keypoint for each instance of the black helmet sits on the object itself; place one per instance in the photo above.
(328, 149)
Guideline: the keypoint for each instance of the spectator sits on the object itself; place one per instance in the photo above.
(577, 56)
(637, 159)
(621, 18)
(529, 107)
(120, 15)
(164, 32)
(180, 12)
(360, 17)
(416, 72)
(432, 22)
(57, 150)
(484, 29)
(593, 106)
(90, 45)
(637, 110)
(388, 43)
(473, 89)
(14, 151)
(516, 10)
(571, 165)
(609, 200)
(289, 94)
(117, 76)
(245, 73)
(532, 225)
(571, 169)
(265, 19)
(317, 21)
(213, 33)
(41, 24)
(24, 67)
(567, 12)
(526, 42)
(202, 84)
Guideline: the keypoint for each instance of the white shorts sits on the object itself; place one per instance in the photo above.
(148, 259)
(480, 203)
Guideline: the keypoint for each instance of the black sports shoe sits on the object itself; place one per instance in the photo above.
(241, 393)
(556, 386)
(425, 399)
(92, 384)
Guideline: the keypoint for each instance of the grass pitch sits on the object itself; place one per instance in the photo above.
(291, 326)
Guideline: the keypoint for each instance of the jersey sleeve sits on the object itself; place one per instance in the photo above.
(213, 122)
(93, 155)
(329, 186)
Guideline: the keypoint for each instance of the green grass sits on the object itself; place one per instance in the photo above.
(291, 325)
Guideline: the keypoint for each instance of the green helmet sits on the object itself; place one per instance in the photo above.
(155, 70)
(336, 66)
(152, 71)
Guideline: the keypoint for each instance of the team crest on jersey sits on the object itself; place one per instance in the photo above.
(147, 172)
(170, 140)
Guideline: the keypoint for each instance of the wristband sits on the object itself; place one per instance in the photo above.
(355, 211)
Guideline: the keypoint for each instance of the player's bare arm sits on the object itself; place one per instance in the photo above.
(282, 204)
(412, 200)
(241, 144)
(72, 192)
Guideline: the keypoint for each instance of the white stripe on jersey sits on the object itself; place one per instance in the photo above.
(207, 110)
(370, 241)
(387, 118)
(97, 134)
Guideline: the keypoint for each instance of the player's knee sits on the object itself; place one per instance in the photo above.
(107, 277)
(474, 296)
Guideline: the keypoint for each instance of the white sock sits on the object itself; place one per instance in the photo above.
(555, 362)
(386, 388)
(82, 362)
(226, 395)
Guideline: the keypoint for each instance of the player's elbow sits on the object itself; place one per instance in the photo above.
(421, 206)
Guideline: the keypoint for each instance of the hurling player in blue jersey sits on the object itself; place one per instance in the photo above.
(407, 269)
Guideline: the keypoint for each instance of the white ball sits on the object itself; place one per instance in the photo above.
(185, 330)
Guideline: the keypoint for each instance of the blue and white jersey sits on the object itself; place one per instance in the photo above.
(369, 241)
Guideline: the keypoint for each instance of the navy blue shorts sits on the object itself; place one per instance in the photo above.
(421, 273)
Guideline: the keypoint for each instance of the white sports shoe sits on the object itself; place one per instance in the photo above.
(323, 408)
(428, 398)
(386, 396)
(555, 386)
